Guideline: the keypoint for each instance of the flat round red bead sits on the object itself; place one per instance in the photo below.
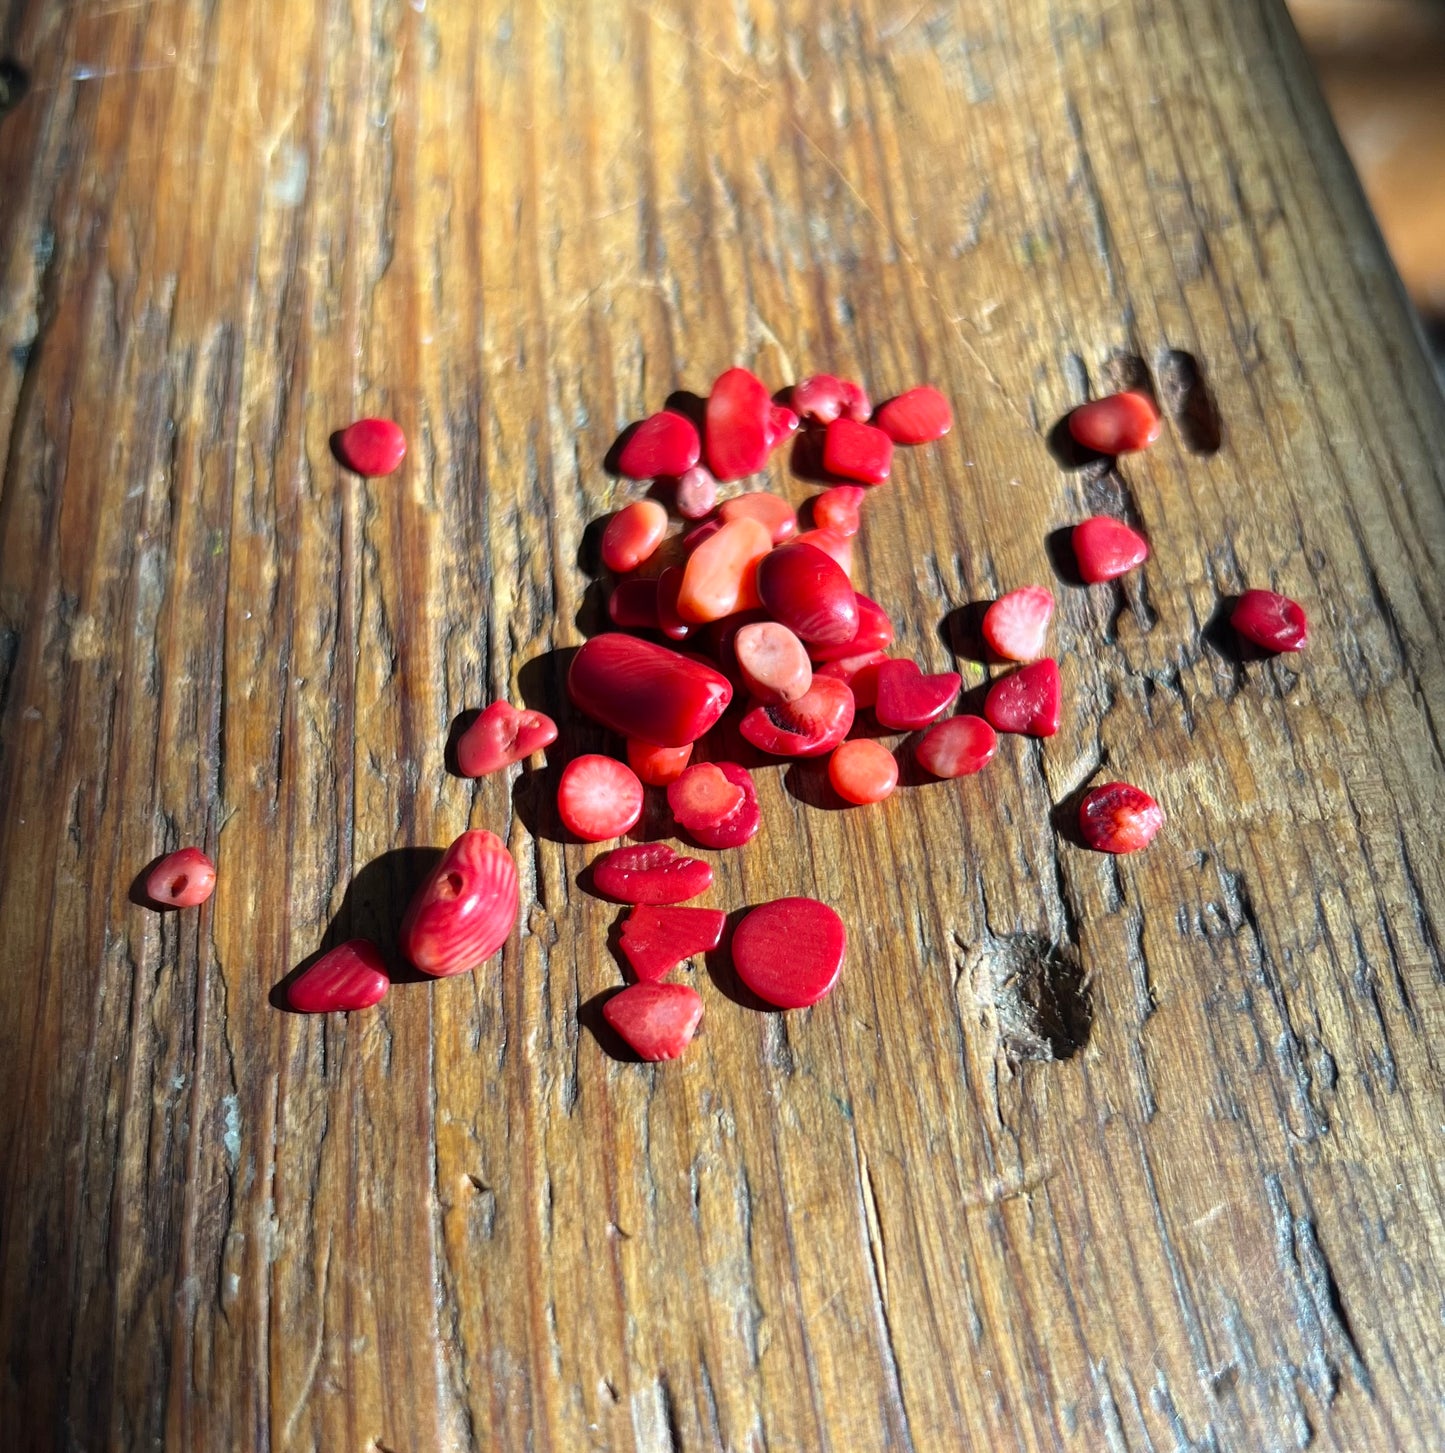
(372, 447)
(789, 952)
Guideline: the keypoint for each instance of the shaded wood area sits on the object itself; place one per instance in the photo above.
(1081, 1153)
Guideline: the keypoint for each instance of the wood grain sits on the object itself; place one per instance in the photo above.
(456, 1222)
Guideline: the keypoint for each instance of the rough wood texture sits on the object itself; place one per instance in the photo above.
(456, 1222)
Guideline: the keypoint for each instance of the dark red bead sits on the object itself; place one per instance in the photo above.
(650, 873)
(808, 727)
(907, 699)
(655, 939)
(645, 691)
(1273, 622)
(807, 591)
(351, 976)
(663, 446)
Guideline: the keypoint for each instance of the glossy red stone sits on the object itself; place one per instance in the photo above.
(857, 451)
(644, 690)
(838, 547)
(805, 590)
(1273, 622)
(771, 511)
(739, 415)
(1106, 548)
(696, 493)
(772, 661)
(702, 797)
(1119, 424)
(858, 673)
(863, 771)
(916, 417)
(500, 736)
(957, 747)
(1119, 818)
(658, 1021)
(874, 633)
(824, 398)
(650, 873)
(632, 534)
(182, 879)
(907, 699)
(720, 575)
(352, 976)
(808, 727)
(837, 509)
(665, 445)
(372, 447)
(656, 940)
(1028, 700)
(598, 797)
(657, 766)
(701, 535)
(461, 915)
(741, 826)
(789, 952)
(1016, 625)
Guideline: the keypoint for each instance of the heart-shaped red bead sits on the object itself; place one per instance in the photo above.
(907, 699)
(663, 446)
(500, 736)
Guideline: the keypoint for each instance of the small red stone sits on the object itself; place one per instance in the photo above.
(1028, 700)
(658, 1021)
(957, 747)
(696, 493)
(824, 398)
(657, 940)
(182, 879)
(1119, 424)
(650, 873)
(663, 446)
(771, 511)
(907, 699)
(1017, 624)
(789, 952)
(657, 766)
(1118, 818)
(741, 826)
(1273, 622)
(632, 534)
(351, 976)
(372, 447)
(646, 691)
(1107, 548)
(874, 633)
(808, 727)
(739, 415)
(772, 661)
(782, 424)
(858, 673)
(837, 509)
(702, 797)
(806, 590)
(500, 736)
(857, 451)
(863, 771)
(598, 797)
(916, 417)
(462, 914)
(839, 547)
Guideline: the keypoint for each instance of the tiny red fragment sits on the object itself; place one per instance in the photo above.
(182, 879)
(655, 940)
(907, 699)
(789, 952)
(1107, 548)
(782, 424)
(502, 735)
(1273, 622)
(1028, 700)
(1119, 818)
(372, 447)
(665, 445)
(857, 451)
(650, 873)
(916, 417)
(351, 976)
(658, 1021)
(1119, 424)
(837, 509)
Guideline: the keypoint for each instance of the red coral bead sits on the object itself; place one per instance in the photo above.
(738, 425)
(907, 699)
(738, 827)
(632, 534)
(1119, 818)
(372, 447)
(502, 735)
(632, 604)
(957, 747)
(669, 588)
(808, 727)
(1016, 625)
(650, 873)
(771, 511)
(772, 661)
(658, 1021)
(351, 976)
(916, 417)
(702, 797)
(857, 451)
(656, 940)
(643, 690)
(789, 952)
(665, 445)
(807, 591)
(720, 575)
(598, 797)
(783, 423)
(858, 673)
(1028, 700)
(863, 771)
(1106, 549)
(874, 633)
(837, 509)
(461, 915)
(182, 879)
(1273, 622)
(1119, 424)
(824, 398)
(696, 493)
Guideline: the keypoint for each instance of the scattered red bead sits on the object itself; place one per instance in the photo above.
(838, 547)
(719, 577)
(857, 451)
(645, 691)
(1028, 700)
(500, 736)
(863, 771)
(351, 976)
(837, 509)
(874, 633)
(658, 1021)
(741, 826)
(907, 699)
(702, 797)
(663, 446)
(182, 879)
(696, 493)
(805, 590)
(372, 447)
(957, 747)
(1120, 424)
(738, 427)
(1016, 625)
(650, 873)
(1106, 549)
(1118, 818)
(782, 424)
(789, 952)
(772, 662)
(1273, 622)
(598, 797)
(824, 398)
(462, 914)
(632, 534)
(813, 724)
(771, 511)
(657, 940)
(916, 417)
